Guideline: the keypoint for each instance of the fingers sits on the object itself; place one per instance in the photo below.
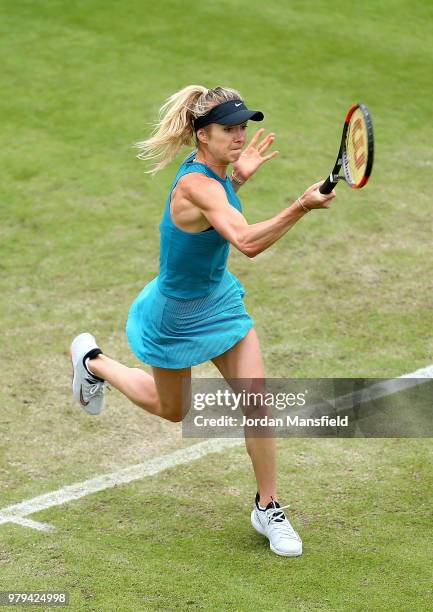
(317, 185)
(266, 143)
(270, 156)
(256, 137)
(329, 197)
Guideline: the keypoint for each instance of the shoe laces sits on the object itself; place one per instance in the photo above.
(277, 518)
(96, 387)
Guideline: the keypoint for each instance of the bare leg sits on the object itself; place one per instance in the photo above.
(148, 392)
(244, 360)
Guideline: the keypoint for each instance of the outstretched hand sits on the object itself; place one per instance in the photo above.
(253, 156)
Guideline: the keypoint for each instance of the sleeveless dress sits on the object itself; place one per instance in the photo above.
(193, 310)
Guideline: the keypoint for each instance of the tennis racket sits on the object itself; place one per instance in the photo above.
(356, 150)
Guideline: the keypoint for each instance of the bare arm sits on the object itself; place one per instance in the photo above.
(251, 239)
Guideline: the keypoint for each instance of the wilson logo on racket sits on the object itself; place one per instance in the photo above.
(358, 144)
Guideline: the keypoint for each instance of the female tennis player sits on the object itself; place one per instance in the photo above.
(193, 310)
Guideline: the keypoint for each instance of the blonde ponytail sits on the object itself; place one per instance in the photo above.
(175, 127)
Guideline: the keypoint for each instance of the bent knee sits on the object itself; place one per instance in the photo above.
(173, 413)
(175, 418)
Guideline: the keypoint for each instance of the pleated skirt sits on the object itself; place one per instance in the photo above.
(168, 332)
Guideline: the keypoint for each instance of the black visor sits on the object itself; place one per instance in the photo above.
(232, 112)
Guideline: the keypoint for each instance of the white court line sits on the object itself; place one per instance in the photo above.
(17, 512)
(421, 373)
(385, 388)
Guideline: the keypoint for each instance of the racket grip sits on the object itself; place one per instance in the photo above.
(327, 186)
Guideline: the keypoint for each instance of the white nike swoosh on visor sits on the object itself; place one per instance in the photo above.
(240, 104)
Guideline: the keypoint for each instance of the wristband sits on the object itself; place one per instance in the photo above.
(302, 205)
(236, 179)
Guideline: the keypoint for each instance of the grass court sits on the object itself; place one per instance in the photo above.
(345, 293)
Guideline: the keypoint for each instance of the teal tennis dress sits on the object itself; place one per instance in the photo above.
(193, 310)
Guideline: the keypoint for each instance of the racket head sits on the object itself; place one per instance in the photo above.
(358, 146)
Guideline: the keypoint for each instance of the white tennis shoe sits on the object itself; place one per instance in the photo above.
(273, 523)
(87, 388)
